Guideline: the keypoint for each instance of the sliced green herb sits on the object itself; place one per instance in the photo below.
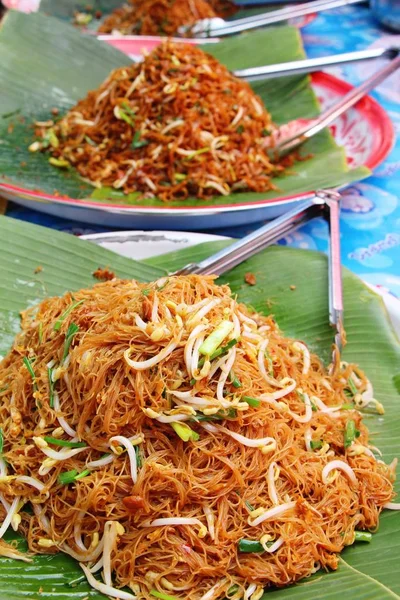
(146, 292)
(362, 536)
(28, 363)
(197, 152)
(139, 461)
(65, 443)
(40, 332)
(137, 142)
(71, 332)
(265, 132)
(347, 406)
(1, 441)
(240, 129)
(216, 337)
(64, 315)
(180, 176)
(316, 444)
(71, 476)
(51, 387)
(235, 381)
(352, 386)
(249, 506)
(232, 590)
(185, 432)
(251, 401)
(247, 546)
(349, 433)
(90, 141)
(122, 114)
(219, 416)
(162, 596)
(219, 352)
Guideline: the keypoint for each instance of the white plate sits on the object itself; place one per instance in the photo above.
(145, 244)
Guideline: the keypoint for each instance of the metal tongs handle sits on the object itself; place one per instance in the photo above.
(277, 16)
(239, 251)
(310, 65)
(325, 203)
(332, 113)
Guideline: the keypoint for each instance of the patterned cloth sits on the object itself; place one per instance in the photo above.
(370, 222)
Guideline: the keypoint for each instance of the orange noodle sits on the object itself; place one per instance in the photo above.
(176, 125)
(176, 441)
(163, 17)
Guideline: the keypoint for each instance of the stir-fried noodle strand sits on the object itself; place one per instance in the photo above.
(173, 440)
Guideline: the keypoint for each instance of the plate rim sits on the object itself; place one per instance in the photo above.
(370, 109)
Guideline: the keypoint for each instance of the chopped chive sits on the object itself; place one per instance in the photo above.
(1, 441)
(249, 506)
(162, 596)
(139, 461)
(270, 363)
(220, 352)
(316, 444)
(185, 432)
(180, 176)
(71, 476)
(196, 153)
(65, 443)
(219, 416)
(67, 477)
(193, 381)
(51, 387)
(362, 536)
(235, 381)
(28, 363)
(40, 332)
(352, 386)
(89, 141)
(71, 332)
(64, 315)
(146, 292)
(84, 473)
(250, 546)
(251, 401)
(137, 142)
(214, 340)
(122, 114)
(349, 433)
(347, 406)
(232, 590)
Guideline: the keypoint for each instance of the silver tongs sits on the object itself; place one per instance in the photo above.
(325, 203)
(217, 27)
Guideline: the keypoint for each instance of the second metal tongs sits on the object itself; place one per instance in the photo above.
(325, 203)
(219, 27)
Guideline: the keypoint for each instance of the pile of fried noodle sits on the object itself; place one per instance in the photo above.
(172, 439)
(178, 124)
(163, 17)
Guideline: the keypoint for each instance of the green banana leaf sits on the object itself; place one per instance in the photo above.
(35, 48)
(366, 572)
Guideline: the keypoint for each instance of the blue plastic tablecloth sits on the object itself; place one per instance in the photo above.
(370, 222)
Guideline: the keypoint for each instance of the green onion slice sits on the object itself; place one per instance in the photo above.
(185, 432)
(349, 433)
(65, 443)
(215, 339)
(255, 402)
(71, 332)
(64, 315)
